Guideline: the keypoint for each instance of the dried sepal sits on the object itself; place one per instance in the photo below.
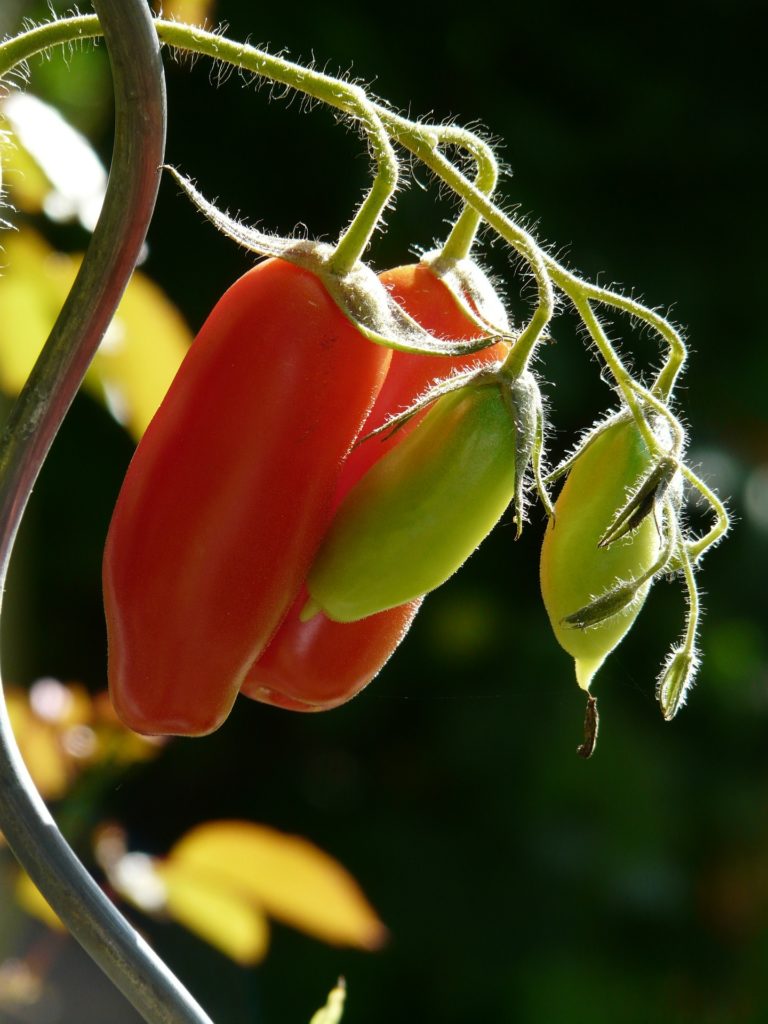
(604, 607)
(591, 729)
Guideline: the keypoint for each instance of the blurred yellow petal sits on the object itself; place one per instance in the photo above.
(116, 742)
(18, 709)
(30, 899)
(216, 913)
(333, 1010)
(33, 286)
(292, 879)
(139, 355)
(47, 762)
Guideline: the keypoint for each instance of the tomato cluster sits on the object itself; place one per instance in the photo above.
(301, 489)
(232, 489)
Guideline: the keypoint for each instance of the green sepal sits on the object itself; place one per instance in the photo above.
(471, 291)
(621, 596)
(524, 402)
(455, 382)
(675, 680)
(642, 503)
(604, 607)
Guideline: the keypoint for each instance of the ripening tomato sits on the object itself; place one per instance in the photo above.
(228, 496)
(574, 568)
(319, 664)
(422, 509)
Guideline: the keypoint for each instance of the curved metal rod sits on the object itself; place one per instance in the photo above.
(139, 86)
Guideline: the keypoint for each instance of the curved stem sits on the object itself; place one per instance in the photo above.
(420, 139)
(34, 420)
(621, 375)
(679, 672)
(60, 32)
(462, 236)
(423, 144)
(518, 359)
(354, 241)
(696, 548)
(667, 377)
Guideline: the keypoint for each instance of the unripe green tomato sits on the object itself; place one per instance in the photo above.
(422, 509)
(574, 570)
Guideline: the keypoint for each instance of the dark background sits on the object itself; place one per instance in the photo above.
(519, 883)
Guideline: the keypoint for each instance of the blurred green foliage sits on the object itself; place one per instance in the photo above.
(521, 886)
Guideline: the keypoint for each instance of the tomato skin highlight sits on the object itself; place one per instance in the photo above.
(574, 570)
(228, 496)
(420, 511)
(319, 664)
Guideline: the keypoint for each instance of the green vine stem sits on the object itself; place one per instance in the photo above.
(354, 241)
(463, 233)
(420, 139)
(28, 434)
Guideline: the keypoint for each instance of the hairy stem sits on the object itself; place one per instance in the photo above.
(355, 239)
(459, 242)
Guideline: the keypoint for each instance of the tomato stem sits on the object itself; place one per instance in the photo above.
(354, 241)
(624, 380)
(722, 524)
(518, 359)
(421, 139)
(462, 236)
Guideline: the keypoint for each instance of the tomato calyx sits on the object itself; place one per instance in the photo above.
(455, 382)
(359, 294)
(522, 398)
(471, 290)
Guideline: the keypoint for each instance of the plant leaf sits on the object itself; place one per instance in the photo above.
(289, 877)
(215, 912)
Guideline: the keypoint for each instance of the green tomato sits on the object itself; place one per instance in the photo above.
(423, 508)
(574, 569)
